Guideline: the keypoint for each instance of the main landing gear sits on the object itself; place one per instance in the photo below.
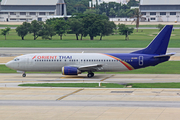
(90, 75)
(24, 74)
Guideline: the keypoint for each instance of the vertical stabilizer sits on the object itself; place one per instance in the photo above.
(159, 44)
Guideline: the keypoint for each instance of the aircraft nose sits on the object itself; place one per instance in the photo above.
(11, 65)
(8, 64)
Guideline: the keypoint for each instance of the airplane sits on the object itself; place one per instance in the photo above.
(77, 63)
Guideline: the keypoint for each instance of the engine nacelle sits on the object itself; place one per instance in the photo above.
(70, 70)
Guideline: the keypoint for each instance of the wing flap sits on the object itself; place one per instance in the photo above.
(93, 67)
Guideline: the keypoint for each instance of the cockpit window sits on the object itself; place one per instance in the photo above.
(16, 59)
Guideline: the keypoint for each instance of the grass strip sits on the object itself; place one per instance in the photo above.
(154, 85)
(136, 40)
(3, 25)
(4, 69)
(105, 85)
(88, 85)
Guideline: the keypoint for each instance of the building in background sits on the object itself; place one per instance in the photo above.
(29, 10)
(160, 10)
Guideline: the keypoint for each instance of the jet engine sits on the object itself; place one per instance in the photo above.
(70, 70)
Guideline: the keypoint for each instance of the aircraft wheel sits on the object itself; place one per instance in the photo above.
(24, 75)
(90, 75)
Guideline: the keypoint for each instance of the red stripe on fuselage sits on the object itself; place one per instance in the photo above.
(125, 64)
(128, 66)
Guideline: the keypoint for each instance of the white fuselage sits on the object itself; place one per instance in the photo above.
(55, 61)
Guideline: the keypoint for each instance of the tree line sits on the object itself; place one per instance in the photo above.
(81, 25)
(111, 9)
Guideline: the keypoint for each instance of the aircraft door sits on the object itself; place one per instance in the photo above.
(80, 61)
(140, 60)
(29, 62)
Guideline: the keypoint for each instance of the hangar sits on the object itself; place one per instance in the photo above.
(28, 10)
(160, 10)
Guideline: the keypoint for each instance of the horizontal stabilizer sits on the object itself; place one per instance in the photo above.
(166, 55)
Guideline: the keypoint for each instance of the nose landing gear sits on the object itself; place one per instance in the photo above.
(24, 74)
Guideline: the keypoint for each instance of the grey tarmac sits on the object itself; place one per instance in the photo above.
(166, 104)
(19, 51)
(14, 79)
(19, 103)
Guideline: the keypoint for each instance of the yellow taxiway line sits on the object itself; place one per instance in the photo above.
(69, 94)
(106, 78)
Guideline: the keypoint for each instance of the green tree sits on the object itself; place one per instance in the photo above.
(76, 26)
(35, 28)
(76, 6)
(122, 13)
(91, 25)
(90, 11)
(160, 26)
(23, 29)
(5, 31)
(60, 26)
(133, 3)
(124, 30)
(106, 28)
(104, 13)
(112, 13)
(47, 32)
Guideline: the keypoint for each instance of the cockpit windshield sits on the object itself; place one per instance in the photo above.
(16, 59)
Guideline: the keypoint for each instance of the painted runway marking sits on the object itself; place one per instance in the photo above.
(69, 94)
(106, 78)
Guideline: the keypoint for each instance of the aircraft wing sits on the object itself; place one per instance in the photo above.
(93, 67)
(169, 54)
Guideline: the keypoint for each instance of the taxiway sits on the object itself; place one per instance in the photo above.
(87, 103)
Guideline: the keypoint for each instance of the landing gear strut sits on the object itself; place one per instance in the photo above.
(24, 74)
(90, 75)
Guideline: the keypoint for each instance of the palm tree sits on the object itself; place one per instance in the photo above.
(137, 15)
